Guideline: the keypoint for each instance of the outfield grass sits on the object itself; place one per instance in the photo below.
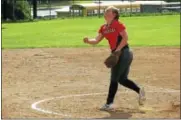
(143, 31)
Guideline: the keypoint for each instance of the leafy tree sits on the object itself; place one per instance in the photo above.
(15, 9)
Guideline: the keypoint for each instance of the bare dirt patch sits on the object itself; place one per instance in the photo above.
(30, 75)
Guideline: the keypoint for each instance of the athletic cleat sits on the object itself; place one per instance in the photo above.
(142, 97)
(107, 107)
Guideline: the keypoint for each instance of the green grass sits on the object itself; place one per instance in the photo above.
(143, 31)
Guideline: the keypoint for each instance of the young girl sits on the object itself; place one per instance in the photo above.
(115, 32)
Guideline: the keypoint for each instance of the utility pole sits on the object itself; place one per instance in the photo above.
(13, 9)
(73, 9)
(4, 9)
(131, 7)
(34, 9)
(99, 8)
(50, 7)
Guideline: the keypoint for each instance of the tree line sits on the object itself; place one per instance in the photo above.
(20, 9)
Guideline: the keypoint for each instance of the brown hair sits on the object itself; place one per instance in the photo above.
(114, 11)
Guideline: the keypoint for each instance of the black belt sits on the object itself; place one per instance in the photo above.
(125, 47)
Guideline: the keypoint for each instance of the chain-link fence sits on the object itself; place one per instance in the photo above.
(21, 9)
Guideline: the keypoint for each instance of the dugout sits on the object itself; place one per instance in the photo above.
(92, 9)
(159, 7)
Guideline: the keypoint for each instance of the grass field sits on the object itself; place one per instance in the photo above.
(143, 31)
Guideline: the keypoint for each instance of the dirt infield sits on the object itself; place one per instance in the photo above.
(74, 82)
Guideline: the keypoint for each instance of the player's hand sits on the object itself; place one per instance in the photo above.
(86, 40)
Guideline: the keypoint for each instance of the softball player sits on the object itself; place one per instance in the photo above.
(115, 32)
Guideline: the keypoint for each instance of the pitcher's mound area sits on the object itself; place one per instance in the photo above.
(73, 83)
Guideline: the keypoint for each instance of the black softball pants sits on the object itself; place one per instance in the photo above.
(119, 74)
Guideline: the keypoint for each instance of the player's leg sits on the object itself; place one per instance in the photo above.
(112, 92)
(116, 72)
(110, 98)
(129, 83)
(133, 86)
(112, 89)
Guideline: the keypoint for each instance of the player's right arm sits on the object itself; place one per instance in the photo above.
(93, 41)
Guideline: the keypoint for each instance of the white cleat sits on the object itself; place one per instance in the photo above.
(107, 107)
(142, 97)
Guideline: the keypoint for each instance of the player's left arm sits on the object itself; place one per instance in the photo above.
(123, 41)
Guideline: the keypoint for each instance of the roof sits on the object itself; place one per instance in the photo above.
(119, 4)
(64, 9)
(109, 3)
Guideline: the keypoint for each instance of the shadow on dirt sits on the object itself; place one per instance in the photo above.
(116, 115)
(122, 114)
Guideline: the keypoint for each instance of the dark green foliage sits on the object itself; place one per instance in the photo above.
(15, 10)
(23, 10)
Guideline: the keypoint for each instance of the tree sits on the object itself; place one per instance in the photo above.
(15, 10)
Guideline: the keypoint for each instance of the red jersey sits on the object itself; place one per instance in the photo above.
(112, 33)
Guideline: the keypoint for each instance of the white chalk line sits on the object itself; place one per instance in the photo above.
(35, 105)
(166, 90)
